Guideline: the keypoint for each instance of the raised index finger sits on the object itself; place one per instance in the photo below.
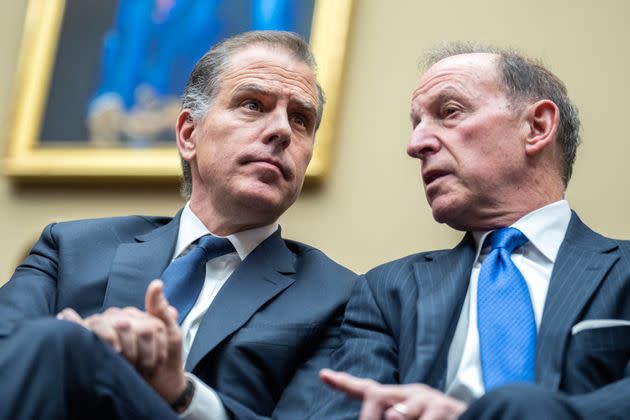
(351, 385)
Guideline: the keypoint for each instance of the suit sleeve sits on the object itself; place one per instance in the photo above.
(609, 402)
(368, 351)
(529, 401)
(31, 291)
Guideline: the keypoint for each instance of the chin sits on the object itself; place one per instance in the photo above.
(265, 200)
(451, 213)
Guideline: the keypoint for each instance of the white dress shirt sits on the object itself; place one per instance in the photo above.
(545, 228)
(206, 403)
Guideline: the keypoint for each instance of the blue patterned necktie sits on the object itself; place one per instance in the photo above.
(507, 329)
(184, 277)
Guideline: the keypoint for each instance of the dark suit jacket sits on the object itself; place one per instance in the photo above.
(401, 319)
(270, 328)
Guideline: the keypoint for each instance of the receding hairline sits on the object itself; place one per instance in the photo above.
(429, 62)
(493, 58)
(495, 62)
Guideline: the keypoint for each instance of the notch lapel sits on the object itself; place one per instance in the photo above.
(136, 264)
(583, 260)
(442, 285)
(261, 276)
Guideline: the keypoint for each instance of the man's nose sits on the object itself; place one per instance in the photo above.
(423, 141)
(278, 129)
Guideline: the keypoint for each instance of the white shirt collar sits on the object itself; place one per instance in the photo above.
(545, 228)
(191, 229)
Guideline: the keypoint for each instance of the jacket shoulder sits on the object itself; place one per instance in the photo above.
(406, 263)
(311, 258)
(123, 227)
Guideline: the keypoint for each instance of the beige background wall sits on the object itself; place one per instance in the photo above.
(371, 208)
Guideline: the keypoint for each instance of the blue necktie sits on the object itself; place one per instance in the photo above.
(184, 277)
(507, 329)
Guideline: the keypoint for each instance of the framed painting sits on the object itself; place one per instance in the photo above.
(98, 81)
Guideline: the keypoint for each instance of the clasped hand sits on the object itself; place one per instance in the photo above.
(151, 341)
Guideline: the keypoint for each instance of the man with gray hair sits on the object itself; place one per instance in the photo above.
(529, 316)
(240, 320)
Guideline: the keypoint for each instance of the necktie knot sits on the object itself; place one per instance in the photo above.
(214, 247)
(185, 276)
(508, 238)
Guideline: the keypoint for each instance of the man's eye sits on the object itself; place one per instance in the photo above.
(300, 120)
(448, 111)
(252, 105)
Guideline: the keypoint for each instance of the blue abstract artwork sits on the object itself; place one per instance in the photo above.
(121, 66)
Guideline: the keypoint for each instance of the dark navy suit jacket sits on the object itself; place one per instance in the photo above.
(260, 345)
(401, 319)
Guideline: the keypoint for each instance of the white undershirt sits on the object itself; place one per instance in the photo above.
(205, 403)
(545, 228)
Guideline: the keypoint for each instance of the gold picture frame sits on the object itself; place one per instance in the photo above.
(28, 160)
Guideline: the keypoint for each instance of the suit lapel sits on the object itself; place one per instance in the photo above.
(442, 284)
(583, 260)
(260, 277)
(136, 264)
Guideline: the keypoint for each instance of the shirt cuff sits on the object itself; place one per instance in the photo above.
(205, 404)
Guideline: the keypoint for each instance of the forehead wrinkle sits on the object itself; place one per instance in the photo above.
(253, 87)
(306, 105)
(447, 84)
(260, 70)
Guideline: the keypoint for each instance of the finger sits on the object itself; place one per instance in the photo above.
(444, 408)
(352, 386)
(69, 314)
(371, 409)
(157, 304)
(162, 347)
(147, 345)
(104, 331)
(173, 314)
(425, 403)
(400, 411)
(152, 299)
(127, 339)
(377, 398)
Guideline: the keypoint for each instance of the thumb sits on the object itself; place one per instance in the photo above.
(156, 304)
(69, 314)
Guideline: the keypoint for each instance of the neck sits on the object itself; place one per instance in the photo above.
(499, 217)
(224, 223)
(540, 189)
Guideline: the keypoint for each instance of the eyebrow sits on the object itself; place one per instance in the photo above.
(439, 97)
(308, 106)
(253, 87)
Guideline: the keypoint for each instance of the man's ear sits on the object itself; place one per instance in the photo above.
(184, 130)
(543, 118)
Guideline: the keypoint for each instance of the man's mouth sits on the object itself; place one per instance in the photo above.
(430, 176)
(271, 162)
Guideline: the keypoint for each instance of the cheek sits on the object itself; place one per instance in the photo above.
(302, 154)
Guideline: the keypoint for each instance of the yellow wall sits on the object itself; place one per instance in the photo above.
(371, 208)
